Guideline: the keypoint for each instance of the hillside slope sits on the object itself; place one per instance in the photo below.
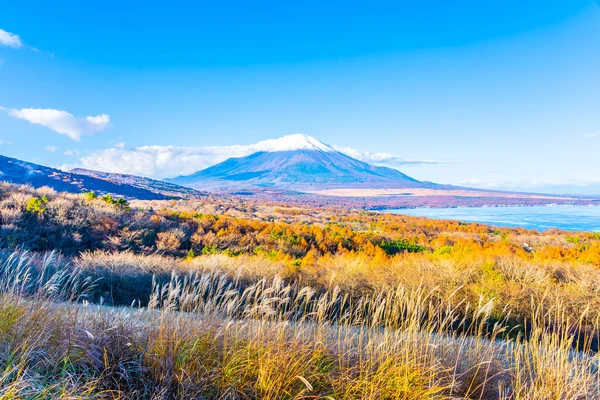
(140, 182)
(21, 172)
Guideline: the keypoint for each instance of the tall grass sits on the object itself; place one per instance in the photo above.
(123, 278)
(206, 336)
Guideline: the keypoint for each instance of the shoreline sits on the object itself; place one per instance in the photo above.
(531, 222)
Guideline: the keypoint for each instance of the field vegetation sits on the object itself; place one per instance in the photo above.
(222, 298)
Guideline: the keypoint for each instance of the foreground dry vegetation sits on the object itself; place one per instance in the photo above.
(239, 300)
(205, 336)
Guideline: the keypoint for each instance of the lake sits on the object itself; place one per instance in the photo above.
(570, 218)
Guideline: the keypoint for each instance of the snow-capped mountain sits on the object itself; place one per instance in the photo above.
(297, 162)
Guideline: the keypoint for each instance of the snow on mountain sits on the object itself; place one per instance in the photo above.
(293, 142)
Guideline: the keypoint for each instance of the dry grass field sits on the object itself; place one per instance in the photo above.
(228, 299)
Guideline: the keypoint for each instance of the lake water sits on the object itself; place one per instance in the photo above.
(571, 218)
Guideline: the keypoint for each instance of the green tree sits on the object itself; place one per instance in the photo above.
(90, 196)
(190, 254)
(400, 246)
(37, 205)
(107, 198)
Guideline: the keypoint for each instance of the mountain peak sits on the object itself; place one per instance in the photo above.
(296, 162)
(293, 142)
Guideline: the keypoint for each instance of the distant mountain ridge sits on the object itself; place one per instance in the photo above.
(153, 185)
(298, 162)
(17, 171)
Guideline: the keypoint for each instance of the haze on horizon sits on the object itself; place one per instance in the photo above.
(501, 96)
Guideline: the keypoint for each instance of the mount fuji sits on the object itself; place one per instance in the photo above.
(298, 162)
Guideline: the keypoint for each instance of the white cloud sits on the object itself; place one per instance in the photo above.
(51, 149)
(10, 39)
(160, 161)
(63, 122)
(70, 152)
(382, 158)
(592, 135)
(169, 161)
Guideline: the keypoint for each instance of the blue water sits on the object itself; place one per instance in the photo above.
(570, 218)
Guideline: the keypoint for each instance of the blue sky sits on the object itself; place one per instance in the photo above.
(503, 95)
